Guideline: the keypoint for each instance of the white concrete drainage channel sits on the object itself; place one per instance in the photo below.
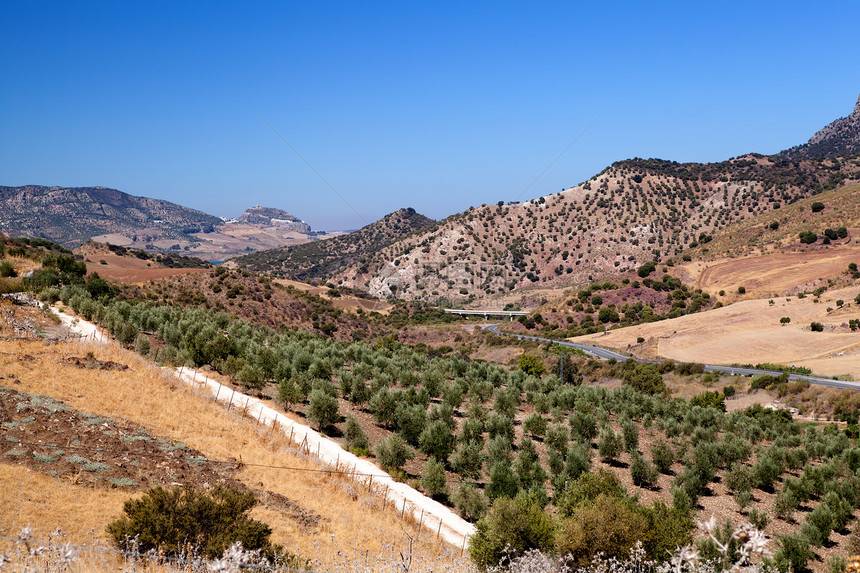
(429, 513)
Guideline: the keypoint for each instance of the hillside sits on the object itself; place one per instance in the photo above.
(780, 230)
(751, 332)
(511, 430)
(72, 215)
(633, 212)
(254, 298)
(270, 216)
(837, 138)
(128, 425)
(321, 259)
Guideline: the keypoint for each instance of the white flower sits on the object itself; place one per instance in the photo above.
(709, 526)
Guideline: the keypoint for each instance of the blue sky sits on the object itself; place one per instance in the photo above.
(437, 105)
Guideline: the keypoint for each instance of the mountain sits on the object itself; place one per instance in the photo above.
(837, 138)
(320, 260)
(269, 216)
(633, 212)
(72, 215)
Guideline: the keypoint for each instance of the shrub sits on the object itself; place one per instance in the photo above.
(393, 452)
(528, 467)
(586, 488)
(433, 479)
(510, 528)
(578, 462)
(742, 290)
(662, 456)
(467, 460)
(608, 444)
(613, 525)
(354, 437)
(793, 554)
(7, 270)
(470, 502)
(646, 269)
(322, 408)
(817, 206)
(630, 435)
(642, 472)
(535, 424)
(645, 378)
(503, 481)
(166, 520)
(758, 518)
(816, 327)
(437, 440)
(808, 237)
(410, 421)
(583, 425)
(531, 365)
(714, 400)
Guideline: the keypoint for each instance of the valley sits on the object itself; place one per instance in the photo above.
(306, 354)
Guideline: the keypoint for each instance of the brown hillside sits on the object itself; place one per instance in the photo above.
(257, 299)
(320, 260)
(750, 332)
(633, 212)
(140, 426)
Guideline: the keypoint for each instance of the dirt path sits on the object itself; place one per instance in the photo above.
(433, 515)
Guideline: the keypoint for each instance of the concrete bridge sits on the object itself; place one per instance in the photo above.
(487, 312)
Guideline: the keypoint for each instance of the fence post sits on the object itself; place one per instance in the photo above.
(231, 399)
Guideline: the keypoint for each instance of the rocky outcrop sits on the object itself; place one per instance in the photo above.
(271, 217)
(837, 138)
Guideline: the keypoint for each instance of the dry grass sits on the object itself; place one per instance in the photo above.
(353, 521)
(749, 332)
(45, 503)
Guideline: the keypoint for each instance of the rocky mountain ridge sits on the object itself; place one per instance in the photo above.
(72, 215)
(839, 137)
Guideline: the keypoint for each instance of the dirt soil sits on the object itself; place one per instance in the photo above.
(131, 269)
(774, 274)
(47, 436)
(750, 332)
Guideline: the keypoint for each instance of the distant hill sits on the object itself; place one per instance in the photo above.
(268, 216)
(633, 212)
(72, 215)
(838, 138)
(320, 260)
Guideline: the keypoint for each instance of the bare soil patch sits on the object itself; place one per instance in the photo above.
(750, 332)
(48, 436)
(774, 274)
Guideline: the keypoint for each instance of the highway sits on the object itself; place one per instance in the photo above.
(606, 354)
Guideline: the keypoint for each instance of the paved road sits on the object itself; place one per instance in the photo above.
(606, 354)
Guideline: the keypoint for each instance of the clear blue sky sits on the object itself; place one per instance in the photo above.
(434, 105)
